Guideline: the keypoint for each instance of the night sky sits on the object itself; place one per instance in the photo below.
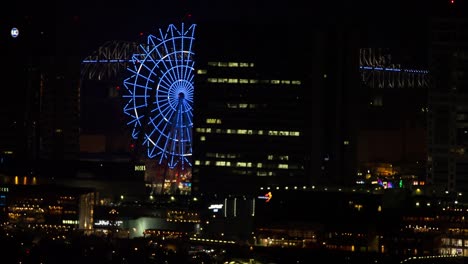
(97, 21)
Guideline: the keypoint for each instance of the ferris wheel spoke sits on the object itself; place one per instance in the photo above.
(186, 105)
(146, 78)
(168, 53)
(152, 131)
(164, 85)
(149, 69)
(191, 75)
(169, 74)
(182, 42)
(186, 72)
(165, 110)
(189, 134)
(136, 85)
(182, 69)
(149, 57)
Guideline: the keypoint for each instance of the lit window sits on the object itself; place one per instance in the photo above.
(213, 121)
(221, 163)
(241, 164)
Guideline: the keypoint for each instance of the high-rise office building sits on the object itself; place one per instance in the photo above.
(448, 103)
(274, 109)
(249, 115)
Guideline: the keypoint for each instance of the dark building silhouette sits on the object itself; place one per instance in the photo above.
(448, 101)
(40, 105)
(333, 71)
(393, 111)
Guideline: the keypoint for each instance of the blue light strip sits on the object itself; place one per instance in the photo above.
(370, 68)
(106, 61)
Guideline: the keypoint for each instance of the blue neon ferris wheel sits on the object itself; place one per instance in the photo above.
(159, 94)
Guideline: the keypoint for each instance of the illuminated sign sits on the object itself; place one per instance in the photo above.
(140, 168)
(108, 223)
(266, 197)
(14, 32)
(215, 207)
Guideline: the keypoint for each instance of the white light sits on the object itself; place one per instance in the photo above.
(14, 32)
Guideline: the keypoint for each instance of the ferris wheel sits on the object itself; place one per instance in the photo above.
(159, 95)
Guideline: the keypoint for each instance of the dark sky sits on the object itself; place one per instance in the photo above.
(92, 22)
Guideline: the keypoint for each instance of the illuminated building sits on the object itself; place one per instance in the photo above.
(249, 119)
(392, 222)
(167, 217)
(227, 219)
(425, 224)
(45, 206)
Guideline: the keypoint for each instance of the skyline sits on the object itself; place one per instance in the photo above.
(288, 46)
(338, 127)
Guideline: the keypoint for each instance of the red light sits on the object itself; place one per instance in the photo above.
(117, 88)
(132, 145)
(141, 34)
(190, 15)
(452, 1)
